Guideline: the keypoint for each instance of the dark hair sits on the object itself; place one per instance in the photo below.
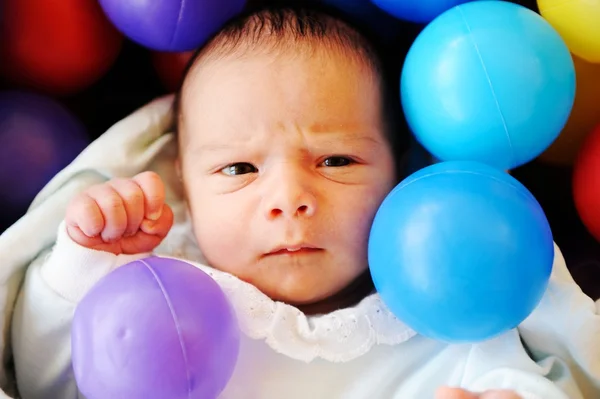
(281, 23)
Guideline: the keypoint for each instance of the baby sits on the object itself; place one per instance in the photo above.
(287, 146)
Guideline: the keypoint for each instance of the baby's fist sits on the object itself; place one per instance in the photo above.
(457, 393)
(122, 216)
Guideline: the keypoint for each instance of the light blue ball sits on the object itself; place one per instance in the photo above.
(461, 252)
(488, 81)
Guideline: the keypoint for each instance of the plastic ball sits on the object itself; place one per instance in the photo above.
(578, 22)
(364, 11)
(170, 67)
(461, 252)
(57, 47)
(488, 81)
(586, 183)
(38, 138)
(154, 328)
(422, 11)
(167, 25)
(585, 115)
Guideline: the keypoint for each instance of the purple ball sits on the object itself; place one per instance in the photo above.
(38, 138)
(170, 25)
(154, 328)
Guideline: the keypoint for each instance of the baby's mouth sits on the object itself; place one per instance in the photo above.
(294, 250)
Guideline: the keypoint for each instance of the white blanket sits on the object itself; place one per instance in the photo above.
(565, 324)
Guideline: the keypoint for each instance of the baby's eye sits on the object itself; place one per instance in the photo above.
(240, 168)
(337, 161)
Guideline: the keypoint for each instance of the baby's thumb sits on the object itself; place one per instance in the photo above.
(160, 227)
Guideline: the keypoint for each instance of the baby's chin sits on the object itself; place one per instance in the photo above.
(316, 281)
(287, 286)
(324, 299)
(298, 296)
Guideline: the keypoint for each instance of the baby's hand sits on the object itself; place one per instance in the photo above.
(457, 393)
(122, 216)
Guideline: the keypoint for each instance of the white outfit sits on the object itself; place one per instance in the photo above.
(359, 352)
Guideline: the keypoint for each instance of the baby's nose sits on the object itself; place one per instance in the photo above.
(290, 198)
(305, 208)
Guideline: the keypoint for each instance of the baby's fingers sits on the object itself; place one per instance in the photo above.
(84, 214)
(133, 202)
(113, 211)
(154, 194)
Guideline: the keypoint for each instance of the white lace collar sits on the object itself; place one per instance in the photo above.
(340, 336)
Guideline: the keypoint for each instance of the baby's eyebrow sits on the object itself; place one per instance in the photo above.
(350, 132)
(351, 139)
(322, 138)
(354, 139)
(326, 140)
(214, 147)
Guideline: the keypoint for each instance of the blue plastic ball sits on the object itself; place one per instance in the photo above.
(488, 81)
(461, 252)
(419, 11)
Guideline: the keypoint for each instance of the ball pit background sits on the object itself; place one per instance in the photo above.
(583, 118)
(38, 138)
(422, 11)
(57, 47)
(586, 183)
(578, 23)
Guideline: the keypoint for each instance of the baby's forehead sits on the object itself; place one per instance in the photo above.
(285, 35)
(256, 70)
(309, 59)
(262, 84)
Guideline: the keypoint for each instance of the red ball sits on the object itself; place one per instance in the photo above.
(58, 47)
(586, 183)
(170, 67)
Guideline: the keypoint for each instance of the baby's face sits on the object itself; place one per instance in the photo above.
(285, 162)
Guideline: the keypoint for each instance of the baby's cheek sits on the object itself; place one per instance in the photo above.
(368, 206)
(356, 218)
(217, 233)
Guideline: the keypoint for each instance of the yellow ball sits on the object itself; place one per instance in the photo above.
(578, 22)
